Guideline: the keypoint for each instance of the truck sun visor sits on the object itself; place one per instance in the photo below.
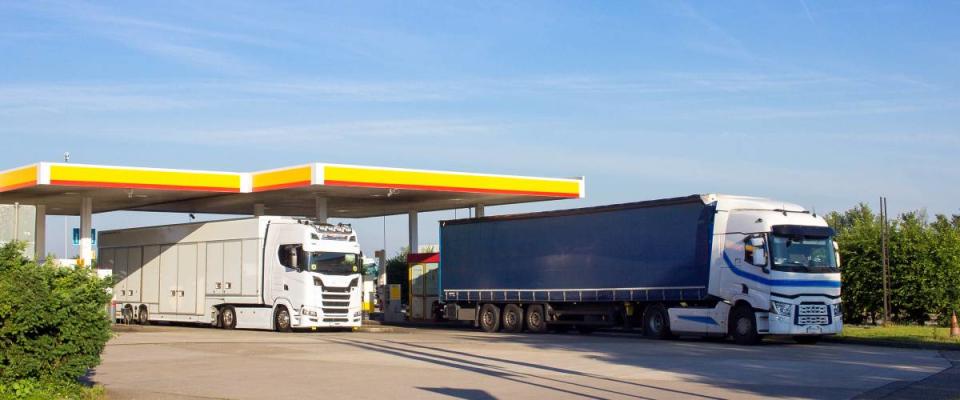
(798, 230)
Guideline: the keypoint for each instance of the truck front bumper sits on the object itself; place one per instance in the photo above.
(351, 319)
(786, 325)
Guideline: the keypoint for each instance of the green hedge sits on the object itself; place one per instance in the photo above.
(924, 265)
(53, 322)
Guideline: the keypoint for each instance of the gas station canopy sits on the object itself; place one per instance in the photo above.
(348, 191)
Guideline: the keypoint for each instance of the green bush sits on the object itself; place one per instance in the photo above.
(924, 259)
(53, 323)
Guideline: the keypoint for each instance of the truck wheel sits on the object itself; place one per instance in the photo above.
(743, 326)
(143, 316)
(807, 339)
(281, 319)
(512, 318)
(490, 318)
(228, 317)
(656, 322)
(535, 319)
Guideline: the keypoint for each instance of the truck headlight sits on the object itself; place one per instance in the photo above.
(780, 308)
(837, 310)
(308, 312)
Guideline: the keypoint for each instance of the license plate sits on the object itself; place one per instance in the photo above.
(813, 329)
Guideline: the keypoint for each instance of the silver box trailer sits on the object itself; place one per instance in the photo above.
(263, 272)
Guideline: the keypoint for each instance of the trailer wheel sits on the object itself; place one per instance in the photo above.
(143, 316)
(127, 314)
(512, 318)
(228, 317)
(535, 319)
(490, 318)
(656, 322)
(743, 325)
(281, 319)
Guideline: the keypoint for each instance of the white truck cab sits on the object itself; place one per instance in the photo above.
(775, 270)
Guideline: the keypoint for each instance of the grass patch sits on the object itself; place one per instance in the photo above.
(908, 334)
(32, 389)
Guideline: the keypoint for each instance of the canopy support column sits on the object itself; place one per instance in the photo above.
(321, 209)
(40, 234)
(86, 224)
(478, 211)
(259, 209)
(413, 230)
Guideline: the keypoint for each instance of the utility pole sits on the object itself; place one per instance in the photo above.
(885, 260)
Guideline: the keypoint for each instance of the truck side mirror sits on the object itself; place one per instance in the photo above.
(755, 252)
(836, 252)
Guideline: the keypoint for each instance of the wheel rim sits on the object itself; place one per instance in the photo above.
(535, 319)
(511, 319)
(228, 317)
(743, 326)
(283, 319)
(656, 323)
(488, 318)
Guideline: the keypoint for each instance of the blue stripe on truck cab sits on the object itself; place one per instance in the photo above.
(780, 282)
(698, 318)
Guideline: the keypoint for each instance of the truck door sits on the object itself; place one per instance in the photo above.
(187, 279)
(150, 275)
(168, 279)
(134, 264)
(746, 271)
(214, 269)
(231, 268)
(120, 272)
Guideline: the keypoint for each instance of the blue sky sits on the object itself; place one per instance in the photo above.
(825, 104)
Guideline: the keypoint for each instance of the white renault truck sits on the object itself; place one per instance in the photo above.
(702, 265)
(257, 273)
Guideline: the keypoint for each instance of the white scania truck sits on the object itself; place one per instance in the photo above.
(258, 273)
(704, 265)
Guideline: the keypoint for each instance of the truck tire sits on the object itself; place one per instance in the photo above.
(743, 325)
(512, 318)
(536, 319)
(281, 320)
(812, 339)
(228, 317)
(143, 316)
(656, 322)
(489, 318)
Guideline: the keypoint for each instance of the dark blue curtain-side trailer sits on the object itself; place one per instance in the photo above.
(584, 268)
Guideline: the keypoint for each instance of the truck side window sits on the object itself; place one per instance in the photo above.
(288, 254)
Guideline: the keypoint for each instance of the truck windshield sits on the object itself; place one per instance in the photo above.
(333, 263)
(803, 254)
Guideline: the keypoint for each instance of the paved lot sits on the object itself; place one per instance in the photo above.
(185, 362)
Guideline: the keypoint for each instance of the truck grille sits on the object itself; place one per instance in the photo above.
(813, 320)
(336, 303)
(813, 314)
(334, 311)
(334, 320)
(336, 296)
(813, 309)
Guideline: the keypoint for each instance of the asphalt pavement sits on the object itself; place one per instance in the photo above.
(165, 362)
